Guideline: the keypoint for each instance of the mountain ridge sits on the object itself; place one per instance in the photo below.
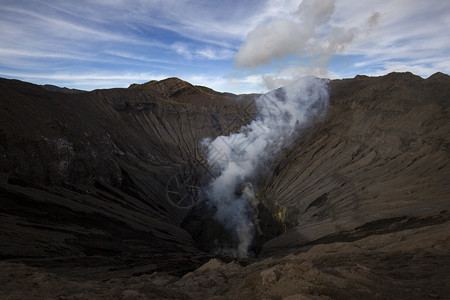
(180, 82)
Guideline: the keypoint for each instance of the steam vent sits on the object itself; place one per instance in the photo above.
(166, 190)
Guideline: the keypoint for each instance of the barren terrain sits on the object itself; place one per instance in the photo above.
(357, 207)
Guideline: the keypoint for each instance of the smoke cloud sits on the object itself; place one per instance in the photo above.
(281, 115)
(283, 37)
(308, 33)
(282, 112)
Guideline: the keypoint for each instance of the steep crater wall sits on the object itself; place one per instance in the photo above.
(377, 163)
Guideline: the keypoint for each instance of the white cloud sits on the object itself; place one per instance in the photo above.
(310, 35)
(208, 52)
(381, 35)
(182, 49)
(276, 39)
(409, 36)
(214, 53)
(138, 57)
(188, 37)
(211, 21)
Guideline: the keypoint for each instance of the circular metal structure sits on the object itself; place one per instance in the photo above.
(183, 192)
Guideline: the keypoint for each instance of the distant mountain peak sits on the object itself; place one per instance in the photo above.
(173, 87)
(439, 76)
(54, 88)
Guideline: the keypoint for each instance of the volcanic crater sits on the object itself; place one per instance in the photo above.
(101, 194)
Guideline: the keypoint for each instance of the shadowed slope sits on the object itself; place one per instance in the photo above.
(86, 174)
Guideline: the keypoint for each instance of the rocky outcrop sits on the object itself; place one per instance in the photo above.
(92, 203)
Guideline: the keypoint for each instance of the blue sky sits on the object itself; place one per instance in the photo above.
(234, 46)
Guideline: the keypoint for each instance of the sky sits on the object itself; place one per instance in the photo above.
(239, 46)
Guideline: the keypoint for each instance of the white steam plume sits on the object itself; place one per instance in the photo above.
(281, 114)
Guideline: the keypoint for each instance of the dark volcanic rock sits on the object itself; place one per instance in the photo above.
(86, 174)
(358, 207)
(54, 88)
